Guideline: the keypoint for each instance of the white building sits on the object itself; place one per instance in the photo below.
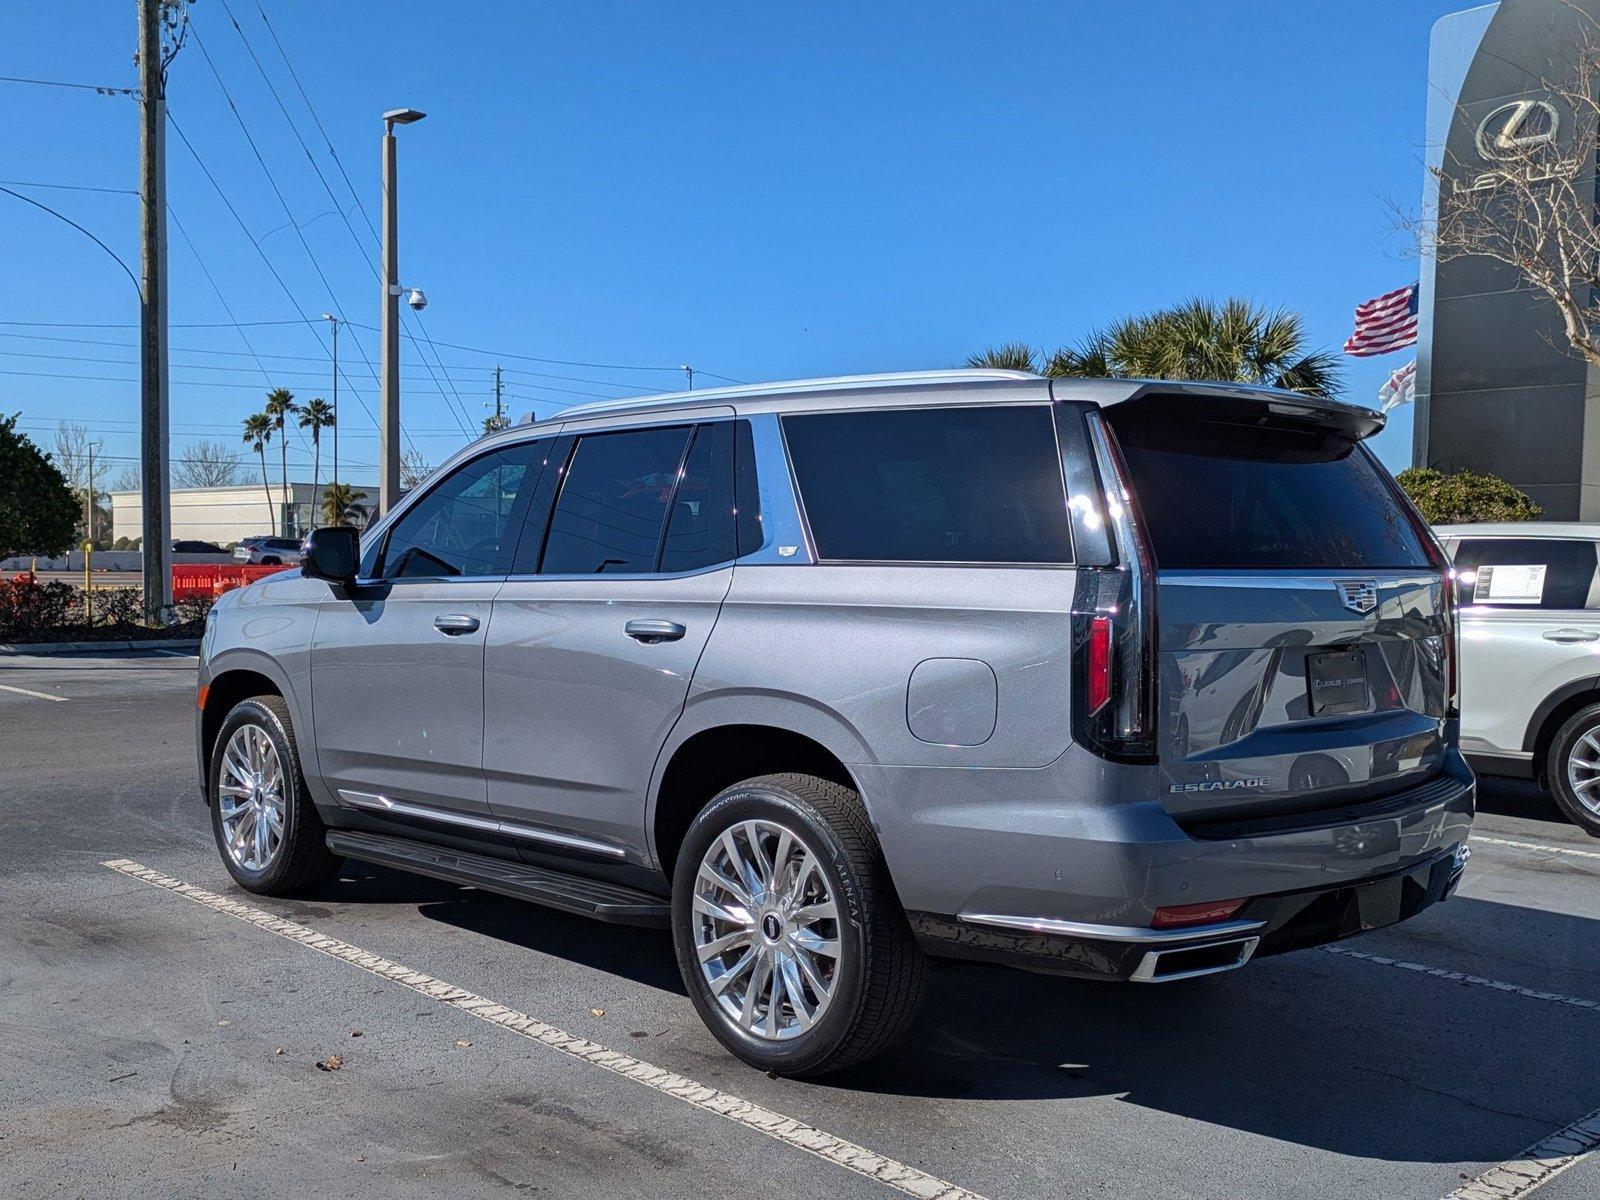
(226, 514)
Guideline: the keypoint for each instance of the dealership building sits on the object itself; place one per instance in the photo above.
(1497, 391)
(226, 514)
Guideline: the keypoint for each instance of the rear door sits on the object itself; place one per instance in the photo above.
(1302, 620)
(1529, 626)
(596, 634)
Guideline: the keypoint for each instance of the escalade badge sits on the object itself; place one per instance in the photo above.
(1358, 595)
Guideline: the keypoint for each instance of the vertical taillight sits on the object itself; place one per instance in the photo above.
(1097, 665)
(1114, 636)
(1450, 594)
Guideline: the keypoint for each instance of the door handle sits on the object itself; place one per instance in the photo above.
(651, 632)
(1571, 635)
(455, 624)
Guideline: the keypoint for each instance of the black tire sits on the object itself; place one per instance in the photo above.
(1585, 721)
(878, 979)
(272, 560)
(303, 860)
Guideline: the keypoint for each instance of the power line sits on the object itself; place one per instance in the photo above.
(223, 300)
(101, 88)
(70, 187)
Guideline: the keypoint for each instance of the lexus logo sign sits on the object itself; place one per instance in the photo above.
(1516, 128)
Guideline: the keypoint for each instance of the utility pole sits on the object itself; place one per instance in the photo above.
(88, 499)
(154, 428)
(389, 402)
(499, 407)
(334, 321)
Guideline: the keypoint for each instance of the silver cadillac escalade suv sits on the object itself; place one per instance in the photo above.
(1116, 679)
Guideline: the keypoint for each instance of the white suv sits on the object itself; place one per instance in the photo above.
(1530, 655)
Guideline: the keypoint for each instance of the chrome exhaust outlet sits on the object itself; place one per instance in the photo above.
(1188, 962)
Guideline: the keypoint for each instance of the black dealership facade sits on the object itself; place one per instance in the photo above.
(1496, 389)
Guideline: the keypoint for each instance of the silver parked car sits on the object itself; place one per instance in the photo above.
(1122, 680)
(267, 551)
(1530, 670)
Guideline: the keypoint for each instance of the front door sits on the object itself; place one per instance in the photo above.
(397, 670)
(596, 634)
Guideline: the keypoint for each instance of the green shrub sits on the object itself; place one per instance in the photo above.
(1465, 497)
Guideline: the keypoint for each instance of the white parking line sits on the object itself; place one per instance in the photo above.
(34, 694)
(774, 1125)
(1515, 989)
(1494, 841)
(1537, 1165)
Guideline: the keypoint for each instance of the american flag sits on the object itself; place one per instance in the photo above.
(1386, 323)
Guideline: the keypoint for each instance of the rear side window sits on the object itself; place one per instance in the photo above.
(971, 485)
(1525, 572)
(1216, 492)
(700, 527)
(613, 505)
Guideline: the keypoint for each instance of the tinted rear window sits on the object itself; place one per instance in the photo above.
(1226, 493)
(1525, 572)
(976, 485)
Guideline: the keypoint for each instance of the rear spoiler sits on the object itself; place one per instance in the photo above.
(1239, 401)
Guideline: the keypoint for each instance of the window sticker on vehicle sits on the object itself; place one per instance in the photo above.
(1509, 583)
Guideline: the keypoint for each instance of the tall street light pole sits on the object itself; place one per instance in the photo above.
(334, 321)
(389, 416)
(154, 427)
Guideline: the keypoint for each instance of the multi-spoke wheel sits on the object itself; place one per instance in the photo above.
(271, 838)
(766, 929)
(250, 798)
(1573, 768)
(789, 936)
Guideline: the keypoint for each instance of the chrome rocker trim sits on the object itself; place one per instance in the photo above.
(373, 802)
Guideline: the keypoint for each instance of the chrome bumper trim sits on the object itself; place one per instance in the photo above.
(1112, 933)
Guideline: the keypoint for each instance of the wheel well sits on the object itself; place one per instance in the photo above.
(1554, 720)
(716, 758)
(224, 692)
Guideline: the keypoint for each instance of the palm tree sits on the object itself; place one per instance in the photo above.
(280, 403)
(257, 433)
(1234, 340)
(339, 505)
(316, 416)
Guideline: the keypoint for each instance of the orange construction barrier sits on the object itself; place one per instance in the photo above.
(191, 581)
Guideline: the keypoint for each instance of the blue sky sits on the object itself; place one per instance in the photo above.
(761, 193)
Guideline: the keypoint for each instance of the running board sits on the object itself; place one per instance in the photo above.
(553, 889)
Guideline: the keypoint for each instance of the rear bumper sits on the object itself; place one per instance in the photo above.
(1265, 925)
(1057, 872)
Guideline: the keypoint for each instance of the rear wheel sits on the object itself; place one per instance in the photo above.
(791, 942)
(1573, 768)
(271, 839)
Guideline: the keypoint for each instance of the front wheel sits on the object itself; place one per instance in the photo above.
(792, 944)
(1573, 768)
(267, 828)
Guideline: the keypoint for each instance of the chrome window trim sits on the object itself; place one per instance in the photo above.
(375, 802)
(1111, 933)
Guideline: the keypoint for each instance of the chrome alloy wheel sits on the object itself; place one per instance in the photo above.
(1583, 770)
(766, 930)
(250, 798)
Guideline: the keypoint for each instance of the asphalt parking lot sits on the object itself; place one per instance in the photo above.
(162, 1029)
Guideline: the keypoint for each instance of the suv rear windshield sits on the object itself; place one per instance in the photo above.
(1224, 489)
(971, 485)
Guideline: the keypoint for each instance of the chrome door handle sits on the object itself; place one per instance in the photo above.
(651, 632)
(455, 624)
(1571, 635)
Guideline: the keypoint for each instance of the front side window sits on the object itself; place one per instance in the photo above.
(459, 528)
(609, 517)
(971, 485)
(1525, 572)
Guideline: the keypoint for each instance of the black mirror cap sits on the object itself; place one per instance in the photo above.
(331, 553)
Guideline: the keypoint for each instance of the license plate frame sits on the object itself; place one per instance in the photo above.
(1336, 682)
